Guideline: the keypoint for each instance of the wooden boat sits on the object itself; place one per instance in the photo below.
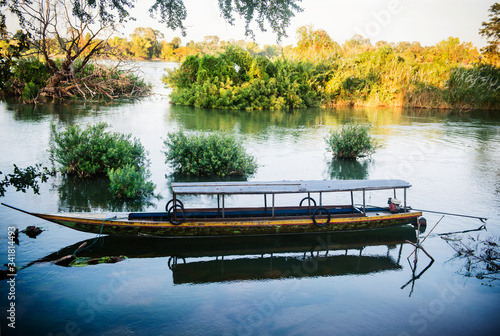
(306, 217)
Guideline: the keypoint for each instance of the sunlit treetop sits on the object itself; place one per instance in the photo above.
(491, 30)
(276, 13)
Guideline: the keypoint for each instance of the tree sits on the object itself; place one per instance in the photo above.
(173, 12)
(315, 43)
(81, 38)
(10, 49)
(452, 51)
(491, 31)
(146, 42)
(23, 179)
(176, 42)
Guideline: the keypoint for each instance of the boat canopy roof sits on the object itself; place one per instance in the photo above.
(284, 187)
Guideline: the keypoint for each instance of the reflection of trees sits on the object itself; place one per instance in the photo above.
(247, 122)
(91, 195)
(251, 122)
(348, 169)
(64, 111)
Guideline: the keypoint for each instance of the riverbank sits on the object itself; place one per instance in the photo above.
(236, 80)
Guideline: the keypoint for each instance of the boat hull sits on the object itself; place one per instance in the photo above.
(116, 225)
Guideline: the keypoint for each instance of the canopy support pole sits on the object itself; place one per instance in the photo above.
(404, 199)
(273, 207)
(364, 203)
(352, 201)
(223, 213)
(265, 204)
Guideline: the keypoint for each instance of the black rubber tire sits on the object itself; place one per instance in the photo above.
(318, 210)
(306, 198)
(170, 217)
(177, 201)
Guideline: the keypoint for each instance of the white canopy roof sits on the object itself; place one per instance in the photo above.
(283, 187)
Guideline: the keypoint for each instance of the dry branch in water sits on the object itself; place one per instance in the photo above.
(102, 83)
(482, 256)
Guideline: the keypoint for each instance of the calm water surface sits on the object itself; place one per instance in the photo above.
(342, 284)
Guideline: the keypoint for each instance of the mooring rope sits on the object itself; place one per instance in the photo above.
(482, 219)
(99, 236)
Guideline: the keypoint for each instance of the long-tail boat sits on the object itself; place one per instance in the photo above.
(308, 216)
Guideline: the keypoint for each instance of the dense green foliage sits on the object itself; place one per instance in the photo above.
(491, 31)
(130, 182)
(351, 141)
(96, 152)
(23, 179)
(319, 71)
(236, 80)
(93, 151)
(208, 155)
(10, 50)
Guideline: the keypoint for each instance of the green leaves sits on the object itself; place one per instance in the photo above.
(212, 154)
(351, 141)
(23, 179)
(95, 152)
(92, 151)
(236, 80)
(130, 182)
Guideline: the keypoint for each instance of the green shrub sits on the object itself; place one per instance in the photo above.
(130, 182)
(93, 151)
(31, 70)
(236, 80)
(351, 141)
(30, 91)
(208, 155)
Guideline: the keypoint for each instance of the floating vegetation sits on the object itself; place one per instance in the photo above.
(85, 261)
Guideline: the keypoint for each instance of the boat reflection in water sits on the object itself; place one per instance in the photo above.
(205, 260)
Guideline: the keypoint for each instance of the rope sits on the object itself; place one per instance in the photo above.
(98, 237)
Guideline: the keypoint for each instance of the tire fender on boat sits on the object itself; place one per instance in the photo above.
(319, 211)
(178, 220)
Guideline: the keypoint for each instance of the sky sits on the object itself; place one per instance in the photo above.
(424, 21)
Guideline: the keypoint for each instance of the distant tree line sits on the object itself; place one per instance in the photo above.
(148, 43)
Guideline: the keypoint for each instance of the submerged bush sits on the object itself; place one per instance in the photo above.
(351, 141)
(130, 182)
(95, 152)
(208, 154)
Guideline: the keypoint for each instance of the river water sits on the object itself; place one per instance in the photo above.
(363, 284)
